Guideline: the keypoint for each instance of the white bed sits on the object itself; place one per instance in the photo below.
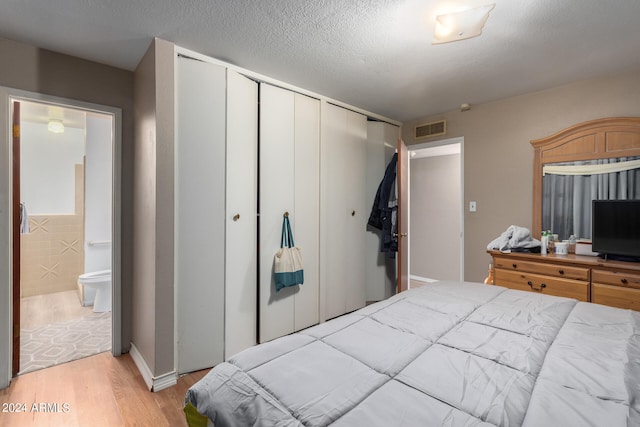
(454, 354)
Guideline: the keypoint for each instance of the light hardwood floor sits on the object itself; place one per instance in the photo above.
(100, 390)
(417, 284)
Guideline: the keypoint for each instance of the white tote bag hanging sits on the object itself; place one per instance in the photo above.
(287, 263)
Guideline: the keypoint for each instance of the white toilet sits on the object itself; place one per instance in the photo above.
(101, 282)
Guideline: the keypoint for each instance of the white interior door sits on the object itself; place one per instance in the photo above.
(199, 214)
(241, 222)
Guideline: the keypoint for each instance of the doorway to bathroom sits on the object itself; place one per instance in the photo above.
(63, 182)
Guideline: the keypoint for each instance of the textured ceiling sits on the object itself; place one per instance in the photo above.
(374, 54)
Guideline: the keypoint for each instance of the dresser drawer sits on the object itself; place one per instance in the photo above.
(549, 269)
(616, 278)
(542, 284)
(615, 296)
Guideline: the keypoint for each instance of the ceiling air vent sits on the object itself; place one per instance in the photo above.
(428, 130)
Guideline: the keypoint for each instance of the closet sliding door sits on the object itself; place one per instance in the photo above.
(241, 282)
(357, 215)
(277, 173)
(344, 211)
(289, 183)
(382, 140)
(215, 214)
(199, 214)
(306, 221)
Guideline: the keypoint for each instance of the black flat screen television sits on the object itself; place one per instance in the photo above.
(615, 230)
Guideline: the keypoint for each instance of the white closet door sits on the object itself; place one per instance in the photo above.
(199, 214)
(333, 210)
(343, 210)
(241, 222)
(307, 207)
(277, 175)
(289, 182)
(356, 152)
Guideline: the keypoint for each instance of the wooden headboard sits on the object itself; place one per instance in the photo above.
(595, 139)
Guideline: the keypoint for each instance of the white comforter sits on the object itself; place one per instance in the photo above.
(447, 354)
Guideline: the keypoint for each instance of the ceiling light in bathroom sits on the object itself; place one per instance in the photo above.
(55, 126)
(462, 25)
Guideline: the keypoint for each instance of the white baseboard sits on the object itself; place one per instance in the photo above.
(422, 279)
(153, 383)
(165, 381)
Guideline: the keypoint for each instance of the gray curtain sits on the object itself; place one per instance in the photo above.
(566, 199)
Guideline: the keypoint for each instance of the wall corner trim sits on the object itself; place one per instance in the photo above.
(154, 384)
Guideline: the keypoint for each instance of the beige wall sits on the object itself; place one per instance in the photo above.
(435, 217)
(37, 70)
(153, 294)
(498, 158)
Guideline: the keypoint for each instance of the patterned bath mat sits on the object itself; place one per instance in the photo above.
(63, 342)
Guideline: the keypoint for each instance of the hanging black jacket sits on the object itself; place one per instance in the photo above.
(381, 214)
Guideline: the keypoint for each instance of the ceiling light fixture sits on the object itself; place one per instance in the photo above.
(462, 25)
(55, 126)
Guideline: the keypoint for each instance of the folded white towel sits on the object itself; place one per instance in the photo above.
(514, 237)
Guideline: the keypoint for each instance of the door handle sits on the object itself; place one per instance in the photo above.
(400, 235)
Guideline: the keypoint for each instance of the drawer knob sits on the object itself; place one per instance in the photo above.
(514, 265)
(542, 286)
(623, 280)
(561, 271)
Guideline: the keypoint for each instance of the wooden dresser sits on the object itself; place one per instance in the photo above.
(585, 278)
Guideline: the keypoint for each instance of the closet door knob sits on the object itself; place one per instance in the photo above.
(353, 213)
(236, 217)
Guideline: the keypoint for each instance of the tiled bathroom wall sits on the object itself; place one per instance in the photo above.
(52, 253)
